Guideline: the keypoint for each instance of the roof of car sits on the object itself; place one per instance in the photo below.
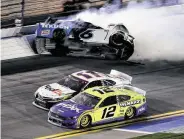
(89, 76)
(111, 91)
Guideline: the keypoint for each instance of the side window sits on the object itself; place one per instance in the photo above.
(122, 98)
(93, 84)
(109, 82)
(109, 101)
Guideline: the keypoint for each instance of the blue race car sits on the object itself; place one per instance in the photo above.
(75, 37)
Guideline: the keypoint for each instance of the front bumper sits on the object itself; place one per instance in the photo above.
(60, 121)
(46, 105)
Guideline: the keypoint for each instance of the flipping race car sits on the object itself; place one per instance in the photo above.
(48, 95)
(99, 105)
(79, 38)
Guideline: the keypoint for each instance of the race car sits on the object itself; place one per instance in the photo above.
(75, 37)
(50, 94)
(99, 105)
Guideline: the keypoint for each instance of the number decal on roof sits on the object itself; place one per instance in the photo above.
(84, 75)
(88, 74)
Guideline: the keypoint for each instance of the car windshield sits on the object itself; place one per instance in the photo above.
(73, 83)
(86, 99)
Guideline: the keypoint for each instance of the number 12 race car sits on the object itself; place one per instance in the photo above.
(99, 105)
(76, 37)
(70, 85)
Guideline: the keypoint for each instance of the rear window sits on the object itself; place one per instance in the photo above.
(109, 82)
(122, 98)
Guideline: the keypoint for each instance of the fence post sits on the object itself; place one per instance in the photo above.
(22, 11)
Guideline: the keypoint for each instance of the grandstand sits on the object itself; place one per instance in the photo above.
(38, 10)
(31, 12)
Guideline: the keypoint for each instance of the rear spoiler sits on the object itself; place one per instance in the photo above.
(119, 74)
(132, 88)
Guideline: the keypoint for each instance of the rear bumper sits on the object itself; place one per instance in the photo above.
(142, 109)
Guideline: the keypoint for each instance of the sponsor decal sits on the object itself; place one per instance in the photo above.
(54, 26)
(128, 103)
(57, 91)
(45, 32)
(143, 108)
(69, 106)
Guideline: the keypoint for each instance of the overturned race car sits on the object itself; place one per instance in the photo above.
(76, 37)
(48, 95)
(99, 105)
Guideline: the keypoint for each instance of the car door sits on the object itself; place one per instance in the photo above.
(94, 36)
(107, 109)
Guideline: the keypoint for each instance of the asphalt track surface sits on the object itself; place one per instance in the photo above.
(163, 81)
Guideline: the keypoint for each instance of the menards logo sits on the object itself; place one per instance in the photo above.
(128, 103)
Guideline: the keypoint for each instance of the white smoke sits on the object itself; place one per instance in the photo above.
(158, 32)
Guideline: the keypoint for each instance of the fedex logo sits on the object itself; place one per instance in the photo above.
(54, 26)
(69, 106)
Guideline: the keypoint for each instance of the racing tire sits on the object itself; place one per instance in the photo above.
(85, 121)
(127, 52)
(59, 35)
(117, 40)
(130, 113)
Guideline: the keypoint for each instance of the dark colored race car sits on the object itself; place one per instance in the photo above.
(79, 38)
(99, 105)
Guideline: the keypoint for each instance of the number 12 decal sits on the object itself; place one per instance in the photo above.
(109, 112)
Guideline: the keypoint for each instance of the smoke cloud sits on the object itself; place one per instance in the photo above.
(158, 32)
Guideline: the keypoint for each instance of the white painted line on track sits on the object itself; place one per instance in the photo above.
(134, 131)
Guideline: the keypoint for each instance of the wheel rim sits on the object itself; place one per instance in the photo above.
(118, 39)
(130, 112)
(85, 121)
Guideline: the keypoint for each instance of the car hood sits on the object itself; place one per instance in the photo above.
(54, 90)
(69, 108)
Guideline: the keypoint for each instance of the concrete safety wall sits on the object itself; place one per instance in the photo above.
(16, 47)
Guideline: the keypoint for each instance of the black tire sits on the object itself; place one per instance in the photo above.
(129, 115)
(117, 40)
(84, 123)
(127, 51)
(59, 35)
(122, 46)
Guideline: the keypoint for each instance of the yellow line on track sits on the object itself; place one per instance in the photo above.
(112, 125)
